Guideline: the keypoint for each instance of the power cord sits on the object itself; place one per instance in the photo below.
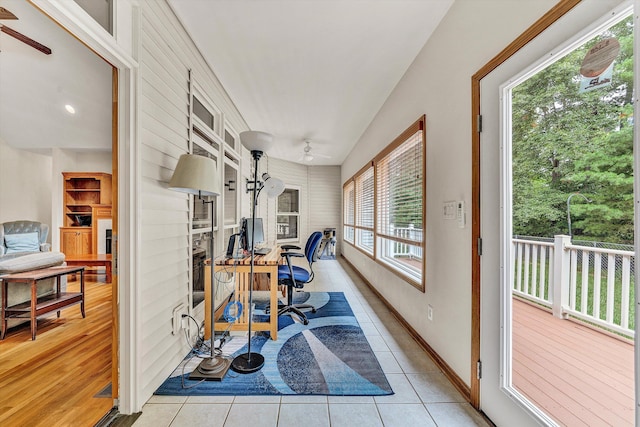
(201, 348)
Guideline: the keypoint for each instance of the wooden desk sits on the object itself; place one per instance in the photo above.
(45, 304)
(92, 260)
(242, 267)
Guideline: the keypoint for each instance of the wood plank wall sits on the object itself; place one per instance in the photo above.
(166, 56)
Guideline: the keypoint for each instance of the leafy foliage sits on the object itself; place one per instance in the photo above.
(566, 142)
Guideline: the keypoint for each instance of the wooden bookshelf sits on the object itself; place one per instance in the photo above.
(86, 197)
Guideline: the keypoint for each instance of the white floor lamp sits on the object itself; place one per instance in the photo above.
(257, 143)
(199, 175)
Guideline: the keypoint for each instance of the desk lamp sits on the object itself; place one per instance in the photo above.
(256, 142)
(196, 174)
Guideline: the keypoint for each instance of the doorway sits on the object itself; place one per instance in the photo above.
(494, 260)
(61, 123)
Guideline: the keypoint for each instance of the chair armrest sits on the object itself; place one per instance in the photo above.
(290, 254)
(45, 247)
(289, 247)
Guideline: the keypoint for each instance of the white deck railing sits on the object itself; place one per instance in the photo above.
(403, 249)
(592, 284)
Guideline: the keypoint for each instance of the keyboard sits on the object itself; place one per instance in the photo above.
(262, 251)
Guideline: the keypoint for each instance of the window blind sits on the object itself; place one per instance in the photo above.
(348, 219)
(349, 204)
(364, 199)
(399, 177)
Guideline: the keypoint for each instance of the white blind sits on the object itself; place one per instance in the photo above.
(399, 177)
(349, 203)
(364, 199)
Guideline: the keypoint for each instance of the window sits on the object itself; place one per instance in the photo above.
(201, 112)
(230, 137)
(287, 217)
(207, 143)
(230, 192)
(383, 210)
(399, 192)
(349, 211)
(203, 146)
(365, 210)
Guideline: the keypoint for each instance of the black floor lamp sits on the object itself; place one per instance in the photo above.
(257, 143)
(196, 174)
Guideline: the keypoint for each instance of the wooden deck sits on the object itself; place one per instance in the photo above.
(54, 380)
(577, 375)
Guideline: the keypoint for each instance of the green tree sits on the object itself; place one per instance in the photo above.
(564, 141)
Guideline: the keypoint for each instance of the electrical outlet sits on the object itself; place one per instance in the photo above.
(429, 312)
(176, 318)
(185, 322)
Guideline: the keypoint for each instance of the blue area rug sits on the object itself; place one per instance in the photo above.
(329, 356)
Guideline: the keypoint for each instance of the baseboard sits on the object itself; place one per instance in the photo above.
(457, 382)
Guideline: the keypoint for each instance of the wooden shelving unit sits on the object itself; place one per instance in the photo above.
(86, 197)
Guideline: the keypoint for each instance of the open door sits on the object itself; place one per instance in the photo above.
(503, 266)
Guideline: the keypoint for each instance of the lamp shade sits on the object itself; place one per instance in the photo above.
(196, 175)
(273, 186)
(254, 140)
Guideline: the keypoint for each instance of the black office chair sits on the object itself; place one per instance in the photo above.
(296, 277)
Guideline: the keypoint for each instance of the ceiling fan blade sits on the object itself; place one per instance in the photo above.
(5, 14)
(324, 156)
(24, 39)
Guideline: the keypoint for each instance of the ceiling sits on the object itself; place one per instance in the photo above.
(298, 69)
(34, 87)
(310, 69)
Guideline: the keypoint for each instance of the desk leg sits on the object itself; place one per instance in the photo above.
(82, 292)
(107, 269)
(273, 287)
(58, 285)
(5, 286)
(34, 302)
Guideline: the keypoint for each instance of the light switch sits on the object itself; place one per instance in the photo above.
(449, 210)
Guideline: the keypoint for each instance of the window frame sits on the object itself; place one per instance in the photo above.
(348, 205)
(363, 206)
(413, 276)
(289, 214)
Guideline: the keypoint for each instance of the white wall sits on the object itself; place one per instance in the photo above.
(325, 200)
(438, 84)
(25, 186)
(166, 54)
(320, 198)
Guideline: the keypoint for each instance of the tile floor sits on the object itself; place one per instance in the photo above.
(423, 395)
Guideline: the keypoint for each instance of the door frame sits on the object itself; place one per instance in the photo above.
(117, 50)
(554, 14)
(560, 10)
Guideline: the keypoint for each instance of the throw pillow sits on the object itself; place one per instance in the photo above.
(23, 242)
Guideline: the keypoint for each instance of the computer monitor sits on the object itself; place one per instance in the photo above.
(247, 244)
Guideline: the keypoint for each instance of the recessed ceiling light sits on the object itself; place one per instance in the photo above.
(70, 109)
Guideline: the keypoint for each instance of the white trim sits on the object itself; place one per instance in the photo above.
(636, 192)
(298, 214)
(75, 20)
(506, 226)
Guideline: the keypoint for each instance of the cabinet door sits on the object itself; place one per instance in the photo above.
(84, 243)
(75, 241)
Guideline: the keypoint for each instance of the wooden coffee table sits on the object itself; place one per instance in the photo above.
(92, 260)
(38, 306)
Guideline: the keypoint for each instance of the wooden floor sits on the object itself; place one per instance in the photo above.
(53, 380)
(578, 376)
